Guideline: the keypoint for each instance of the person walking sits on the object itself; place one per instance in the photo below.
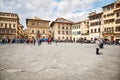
(119, 42)
(56, 41)
(39, 41)
(34, 41)
(97, 43)
(101, 43)
(48, 40)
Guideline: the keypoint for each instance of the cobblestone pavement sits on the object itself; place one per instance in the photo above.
(65, 61)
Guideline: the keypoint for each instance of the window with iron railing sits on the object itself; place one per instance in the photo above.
(117, 29)
(117, 21)
(117, 14)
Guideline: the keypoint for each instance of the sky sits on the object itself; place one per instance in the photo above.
(73, 10)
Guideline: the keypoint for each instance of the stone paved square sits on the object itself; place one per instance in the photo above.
(65, 61)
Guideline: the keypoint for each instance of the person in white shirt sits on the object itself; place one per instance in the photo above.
(97, 43)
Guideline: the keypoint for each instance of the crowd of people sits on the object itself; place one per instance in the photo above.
(49, 40)
(98, 42)
(24, 41)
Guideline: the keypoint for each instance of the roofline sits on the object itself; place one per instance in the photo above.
(108, 5)
(37, 20)
(60, 22)
(9, 13)
(96, 14)
(80, 21)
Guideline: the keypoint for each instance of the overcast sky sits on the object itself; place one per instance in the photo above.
(74, 10)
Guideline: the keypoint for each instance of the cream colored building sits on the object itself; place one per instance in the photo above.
(111, 19)
(95, 25)
(9, 23)
(61, 29)
(38, 28)
(80, 30)
(117, 17)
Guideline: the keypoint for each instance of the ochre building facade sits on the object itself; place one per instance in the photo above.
(61, 29)
(38, 28)
(10, 26)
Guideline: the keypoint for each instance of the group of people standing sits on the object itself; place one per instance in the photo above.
(38, 40)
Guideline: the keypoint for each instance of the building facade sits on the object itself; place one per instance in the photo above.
(111, 19)
(80, 30)
(38, 28)
(95, 25)
(61, 29)
(117, 17)
(76, 31)
(8, 25)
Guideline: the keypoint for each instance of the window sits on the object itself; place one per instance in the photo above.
(66, 27)
(8, 14)
(33, 24)
(9, 25)
(9, 31)
(62, 37)
(32, 31)
(43, 31)
(58, 27)
(5, 25)
(117, 21)
(58, 38)
(0, 30)
(117, 14)
(13, 31)
(98, 29)
(38, 23)
(104, 16)
(3, 31)
(58, 24)
(62, 32)
(58, 32)
(38, 31)
(118, 5)
(1, 25)
(117, 29)
(91, 30)
(67, 32)
(112, 29)
(15, 15)
(13, 25)
(66, 38)
(95, 30)
(78, 32)
(63, 27)
(70, 33)
(105, 29)
(73, 27)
